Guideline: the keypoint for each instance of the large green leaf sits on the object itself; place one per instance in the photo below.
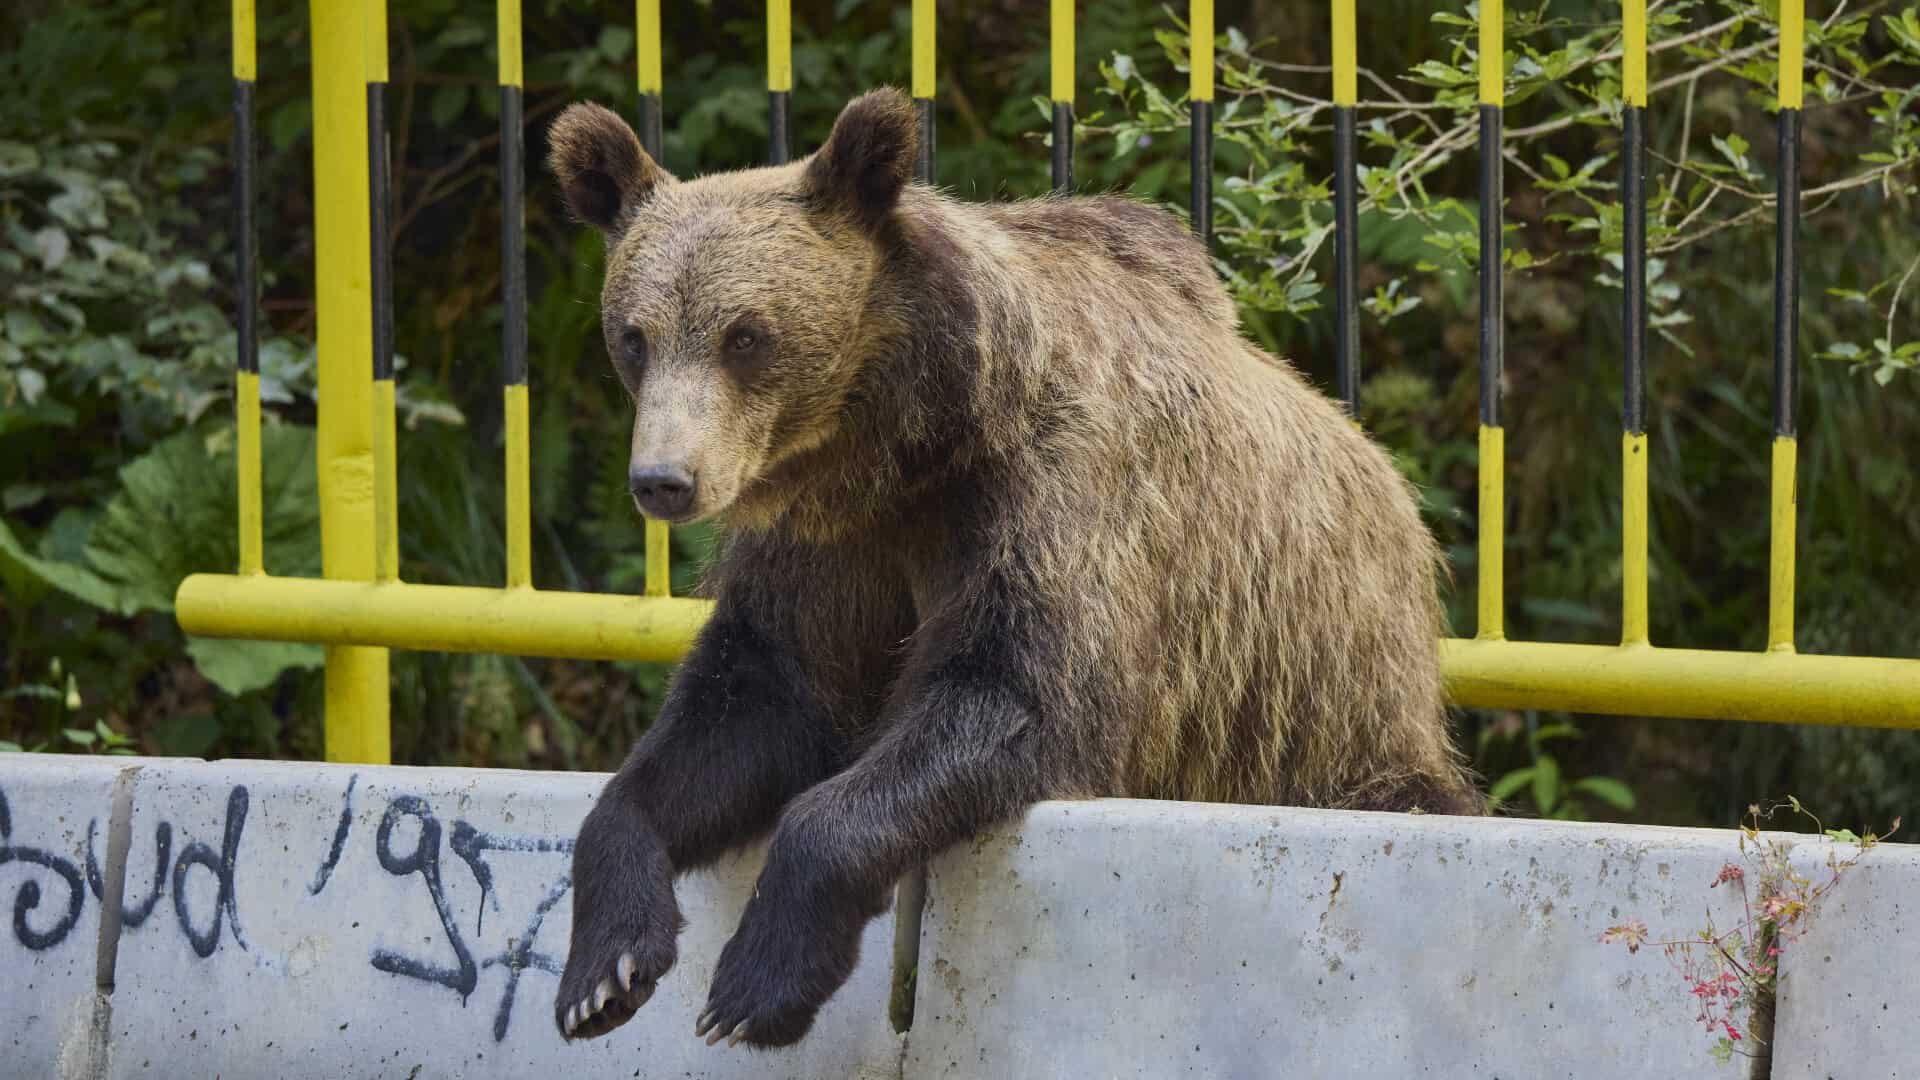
(1608, 790)
(25, 573)
(186, 734)
(240, 666)
(176, 513)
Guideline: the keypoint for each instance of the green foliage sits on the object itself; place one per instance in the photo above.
(1543, 779)
(99, 305)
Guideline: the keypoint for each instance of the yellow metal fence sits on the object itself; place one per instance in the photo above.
(360, 608)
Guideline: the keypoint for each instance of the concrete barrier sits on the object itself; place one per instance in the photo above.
(54, 812)
(278, 919)
(1850, 988)
(288, 920)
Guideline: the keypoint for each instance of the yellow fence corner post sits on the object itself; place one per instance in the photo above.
(356, 676)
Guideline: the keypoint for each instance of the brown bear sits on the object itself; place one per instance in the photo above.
(1014, 513)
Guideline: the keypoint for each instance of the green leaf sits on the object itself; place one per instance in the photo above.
(1504, 788)
(1563, 611)
(449, 101)
(17, 568)
(7, 747)
(190, 735)
(615, 43)
(174, 514)
(79, 736)
(38, 691)
(462, 33)
(1608, 790)
(1546, 784)
(240, 666)
(17, 159)
(1553, 731)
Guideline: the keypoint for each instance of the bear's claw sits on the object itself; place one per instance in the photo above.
(611, 1003)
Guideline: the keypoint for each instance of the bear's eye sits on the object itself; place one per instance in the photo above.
(746, 348)
(630, 356)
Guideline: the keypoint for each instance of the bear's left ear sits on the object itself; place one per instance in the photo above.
(604, 174)
(868, 158)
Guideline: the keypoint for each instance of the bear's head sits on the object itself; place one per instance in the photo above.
(734, 304)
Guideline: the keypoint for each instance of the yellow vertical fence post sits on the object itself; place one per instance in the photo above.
(646, 17)
(1782, 505)
(1633, 213)
(246, 385)
(1346, 220)
(356, 675)
(513, 288)
(1493, 441)
(386, 480)
(659, 536)
(1200, 118)
(779, 78)
(1060, 46)
(924, 83)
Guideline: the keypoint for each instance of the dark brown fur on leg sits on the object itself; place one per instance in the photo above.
(970, 739)
(753, 719)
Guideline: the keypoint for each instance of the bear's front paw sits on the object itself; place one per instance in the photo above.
(625, 922)
(774, 976)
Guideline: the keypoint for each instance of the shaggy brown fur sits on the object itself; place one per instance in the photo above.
(1016, 514)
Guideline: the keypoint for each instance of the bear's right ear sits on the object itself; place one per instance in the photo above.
(869, 157)
(604, 174)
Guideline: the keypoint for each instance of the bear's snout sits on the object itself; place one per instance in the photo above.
(662, 491)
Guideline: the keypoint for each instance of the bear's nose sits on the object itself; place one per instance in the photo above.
(663, 491)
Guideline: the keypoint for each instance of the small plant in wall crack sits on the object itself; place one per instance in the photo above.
(1733, 971)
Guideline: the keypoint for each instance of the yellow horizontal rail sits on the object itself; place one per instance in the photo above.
(1631, 680)
(1699, 684)
(440, 618)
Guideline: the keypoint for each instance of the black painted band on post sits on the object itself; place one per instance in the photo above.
(1633, 211)
(1346, 238)
(779, 149)
(1492, 320)
(923, 167)
(1201, 204)
(1062, 146)
(650, 130)
(1786, 278)
(379, 204)
(513, 241)
(246, 254)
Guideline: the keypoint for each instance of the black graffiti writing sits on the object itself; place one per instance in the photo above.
(222, 866)
(339, 840)
(40, 921)
(471, 845)
(519, 956)
(78, 881)
(28, 897)
(424, 860)
(132, 917)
